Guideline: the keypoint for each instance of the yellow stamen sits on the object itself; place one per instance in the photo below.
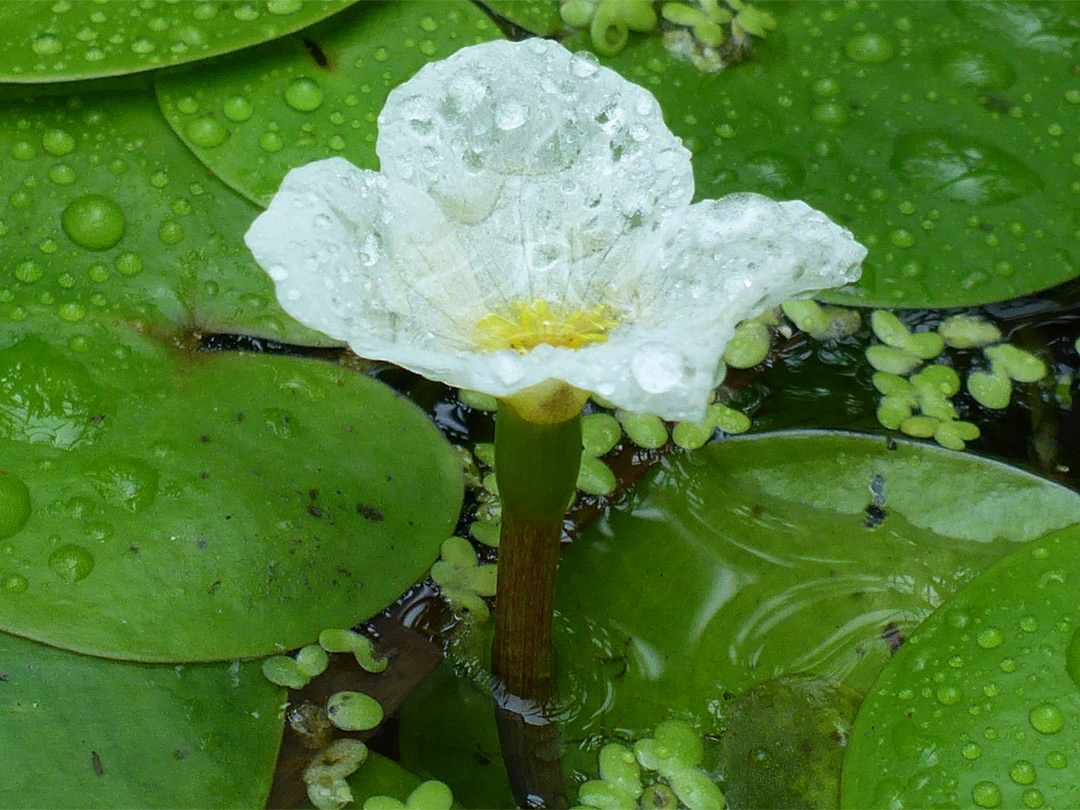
(531, 324)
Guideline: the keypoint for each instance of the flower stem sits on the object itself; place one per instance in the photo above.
(536, 467)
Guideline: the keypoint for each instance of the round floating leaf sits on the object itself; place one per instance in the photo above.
(210, 506)
(784, 553)
(801, 552)
(540, 17)
(48, 41)
(86, 732)
(945, 135)
(981, 707)
(253, 117)
(105, 216)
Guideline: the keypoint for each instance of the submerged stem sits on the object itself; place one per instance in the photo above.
(537, 467)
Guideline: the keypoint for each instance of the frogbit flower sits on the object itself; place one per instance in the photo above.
(531, 235)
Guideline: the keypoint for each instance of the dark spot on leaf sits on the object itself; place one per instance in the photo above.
(891, 444)
(315, 511)
(134, 549)
(892, 636)
(875, 516)
(318, 56)
(213, 587)
(728, 696)
(179, 753)
(313, 494)
(204, 439)
(97, 418)
(370, 512)
(204, 475)
(200, 543)
(3, 677)
(239, 417)
(95, 762)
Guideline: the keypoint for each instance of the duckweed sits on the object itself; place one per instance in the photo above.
(1015, 363)
(749, 346)
(727, 419)
(644, 430)
(595, 477)
(892, 360)
(325, 776)
(968, 332)
(691, 436)
(600, 432)
(991, 389)
(354, 711)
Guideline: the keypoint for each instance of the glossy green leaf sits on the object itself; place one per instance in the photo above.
(105, 216)
(785, 553)
(981, 707)
(802, 552)
(210, 506)
(945, 135)
(540, 17)
(255, 116)
(61, 40)
(86, 732)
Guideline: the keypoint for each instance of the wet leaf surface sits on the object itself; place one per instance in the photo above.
(943, 134)
(981, 707)
(252, 118)
(47, 41)
(87, 732)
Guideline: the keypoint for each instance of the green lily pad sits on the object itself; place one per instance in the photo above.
(86, 732)
(784, 553)
(48, 41)
(106, 217)
(253, 117)
(208, 506)
(981, 707)
(540, 17)
(789, 553)
(945, 135)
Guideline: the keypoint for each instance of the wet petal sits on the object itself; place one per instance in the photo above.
(544, 161)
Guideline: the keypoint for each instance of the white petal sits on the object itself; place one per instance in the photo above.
(721, 261)
(543, 159)
(365, 259)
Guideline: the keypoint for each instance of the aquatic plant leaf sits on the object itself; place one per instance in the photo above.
(212, 505)
(107, 216)
(790, 553)
(47, 41)
(87, 732)
(944, 135)
(379, 776)
(982, 706)
(253, 117)
(802, 552)
(540, 17)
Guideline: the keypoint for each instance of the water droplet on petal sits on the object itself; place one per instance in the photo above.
(657, 368)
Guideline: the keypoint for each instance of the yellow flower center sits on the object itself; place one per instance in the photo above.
(533, 323)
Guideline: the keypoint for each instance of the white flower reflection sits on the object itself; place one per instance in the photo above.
(532, 222)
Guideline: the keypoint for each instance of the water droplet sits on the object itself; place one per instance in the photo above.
(304, 94)
(93, 222)
(971, 750)
(71, 312)
(902, 238)
(28, 272)
(58, 142)
(869, 49)
(826, 88)
(46, 45)
(1033, 798)
(986, 794)
(14, 583)
(657, 368)
(23, 150)
(129, 484)
(1057, 760)
(14, 505)
(1029, 624)
(271, 142)
(282, 7)
(237, 109)
(171, 232)
(976, 69)
(1046, 718)
(128, 264)
(962, 168)
(510, 115)
(71, 563)
(381, 54)
(98, 272)
(207, 132)
(830, 112)
(62, 174)
(949, 695)
(1022, 772)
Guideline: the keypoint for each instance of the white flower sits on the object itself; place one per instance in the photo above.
(532, 222)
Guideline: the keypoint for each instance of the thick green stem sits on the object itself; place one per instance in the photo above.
(537, 467)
